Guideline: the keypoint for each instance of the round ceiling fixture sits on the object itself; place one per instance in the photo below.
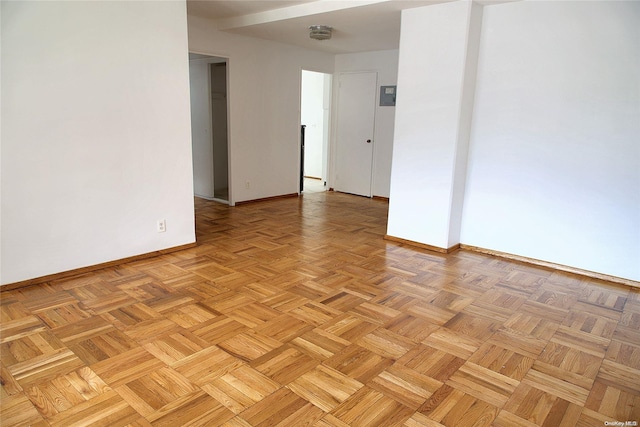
(320, 32)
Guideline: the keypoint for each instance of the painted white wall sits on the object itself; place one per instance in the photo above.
(96, 143)
(201, 130)
(313, 116)
(264, 97)
(431, 77)
(385, 63)
(554, 167)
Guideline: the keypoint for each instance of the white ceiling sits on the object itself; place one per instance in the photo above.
(358, 25)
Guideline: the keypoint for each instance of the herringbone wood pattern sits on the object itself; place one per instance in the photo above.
(296, 312)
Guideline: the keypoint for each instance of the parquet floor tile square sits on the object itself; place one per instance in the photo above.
(537, 327)
(473, 326)
(460, 345)
(624, 353)
(206, 365)
(195, 409)
(452, 407)
(20, 327)
(619, 376)
(103, 347)
(126, 366)
(342, 301)
(539, 408)
(324, 387)
(62, 315)
(240, 388)
(375, 313)
(617, 404)
(249, 345)
(349, 327)
(218, 329)
(395, 300)
(591, 324)
(315, 313)
(284, 364)
(420, 420)
(432, 362)
(405, 385)
(449, 300)
(20, 411)
(297, 312)
(11, 309)
(107, 409)
(254, 314)
(319, 344)
(108, 302)
(483, 383)
(544, 311)
(549, 381)
(24, 348)
(358, 363)
(411, 327)
(176, 346)
(45, 367)
(612, 298)
(191, 315)
(283, 328)
(83, 330)
(489, 311)
(285, 301)
(274, 408)
(503, 361)
(386, 343)
(66, 391)
(368, 407)
(8, 386)
(155, 390)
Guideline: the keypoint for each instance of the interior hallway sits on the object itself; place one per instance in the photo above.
(297, 311)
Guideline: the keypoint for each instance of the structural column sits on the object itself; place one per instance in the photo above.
(436, 82)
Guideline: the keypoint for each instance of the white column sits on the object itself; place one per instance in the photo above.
(436, 83)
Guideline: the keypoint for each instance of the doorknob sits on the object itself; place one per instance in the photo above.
(368, 141)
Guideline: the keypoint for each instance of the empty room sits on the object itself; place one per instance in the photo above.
(470, 255)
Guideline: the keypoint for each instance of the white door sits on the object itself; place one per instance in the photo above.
(354, 132)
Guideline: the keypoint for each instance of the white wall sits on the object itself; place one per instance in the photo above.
(385, 63)
(554, 167)
(264, 97)
(313, 116)
(96, 145)
(431, 77)
(201, 131)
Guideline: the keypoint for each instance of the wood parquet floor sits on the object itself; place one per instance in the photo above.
(296, 312)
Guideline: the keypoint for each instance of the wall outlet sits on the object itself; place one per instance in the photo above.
(162, 226)
(247, 185)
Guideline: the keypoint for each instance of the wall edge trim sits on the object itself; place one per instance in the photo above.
(553, 265)
(422, 245)
(91, 268)
(266, 199)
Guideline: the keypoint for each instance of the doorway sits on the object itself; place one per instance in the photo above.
(209, 126)
(315, 101)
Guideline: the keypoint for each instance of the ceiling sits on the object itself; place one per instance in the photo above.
(358, 25)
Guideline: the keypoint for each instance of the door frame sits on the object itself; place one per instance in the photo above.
(328, 128)
(227, 60)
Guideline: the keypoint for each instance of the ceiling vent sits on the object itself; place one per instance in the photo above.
(320, 32)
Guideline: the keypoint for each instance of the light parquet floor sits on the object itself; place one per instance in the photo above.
(296, 312)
